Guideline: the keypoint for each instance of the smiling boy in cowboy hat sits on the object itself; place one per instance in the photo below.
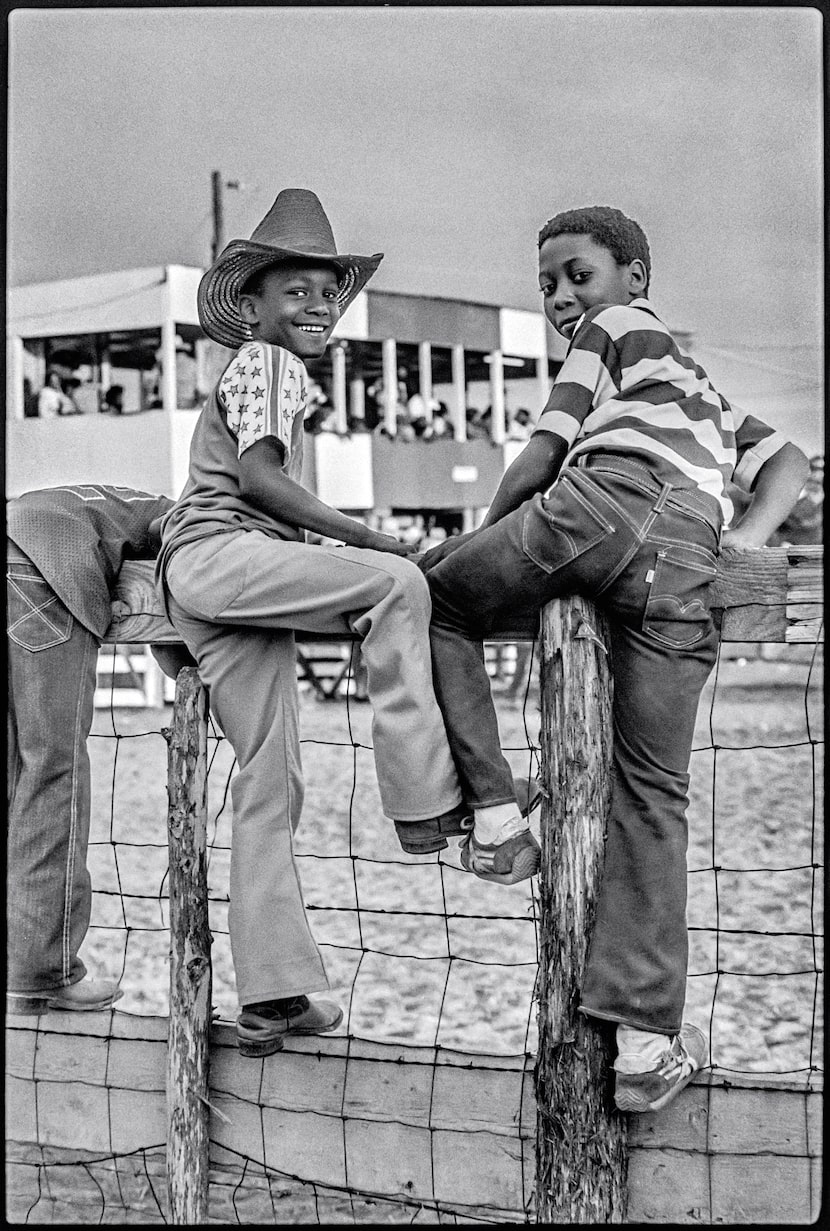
(238, 577)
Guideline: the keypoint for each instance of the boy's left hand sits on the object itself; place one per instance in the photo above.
(434, 555)
(388, 542)
(735, 540)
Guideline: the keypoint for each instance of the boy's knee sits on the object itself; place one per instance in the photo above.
(417, 590)
(409, 585)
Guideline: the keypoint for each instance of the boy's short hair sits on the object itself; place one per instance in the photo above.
(624, 238)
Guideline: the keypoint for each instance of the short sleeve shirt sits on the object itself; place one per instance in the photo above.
(625, 387)
(262, 393)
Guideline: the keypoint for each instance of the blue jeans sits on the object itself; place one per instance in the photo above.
(51, 681)
(646, 553)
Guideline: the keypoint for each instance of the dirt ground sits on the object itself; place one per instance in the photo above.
(419, 951)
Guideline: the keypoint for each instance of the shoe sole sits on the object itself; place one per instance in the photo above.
(628, 1100)
(26, 1006)
(267, 1047)
(525, 865)
(255, 1047)
(36, 1006)
(65, 1007)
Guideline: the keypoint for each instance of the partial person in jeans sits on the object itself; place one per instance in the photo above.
(620, 495)
(65, 548)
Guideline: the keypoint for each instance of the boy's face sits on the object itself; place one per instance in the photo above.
(295, 307)
(576, 273)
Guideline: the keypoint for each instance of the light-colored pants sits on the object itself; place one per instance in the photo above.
(236, 599)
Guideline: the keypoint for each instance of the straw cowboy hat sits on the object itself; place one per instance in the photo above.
(295, 228)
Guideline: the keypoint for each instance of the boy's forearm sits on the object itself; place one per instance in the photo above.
(301, 508)
(270, 489)
(534, 470)
(776, 491)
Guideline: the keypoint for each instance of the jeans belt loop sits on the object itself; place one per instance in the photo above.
(660, 502)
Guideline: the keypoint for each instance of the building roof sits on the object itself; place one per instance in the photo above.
(143, 298)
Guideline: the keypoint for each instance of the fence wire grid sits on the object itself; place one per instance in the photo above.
(421, 955)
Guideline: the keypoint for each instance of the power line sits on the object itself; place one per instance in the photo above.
(95, 303)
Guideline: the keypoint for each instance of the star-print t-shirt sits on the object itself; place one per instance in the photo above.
(262, 392)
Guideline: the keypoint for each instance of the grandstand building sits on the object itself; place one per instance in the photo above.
(138, 329)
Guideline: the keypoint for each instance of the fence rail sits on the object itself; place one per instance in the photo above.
(773, 594)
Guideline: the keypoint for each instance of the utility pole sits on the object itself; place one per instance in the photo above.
(218, 185)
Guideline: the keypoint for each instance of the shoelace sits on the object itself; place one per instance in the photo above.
(673, 1060)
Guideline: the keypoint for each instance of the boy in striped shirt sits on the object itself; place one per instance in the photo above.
(619, 495)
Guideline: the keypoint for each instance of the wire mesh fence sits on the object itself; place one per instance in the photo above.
(436, 970)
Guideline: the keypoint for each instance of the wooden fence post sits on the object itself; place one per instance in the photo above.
(188, 1111)
(581, 1162)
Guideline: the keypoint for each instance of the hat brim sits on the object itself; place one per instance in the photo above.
(219, 289)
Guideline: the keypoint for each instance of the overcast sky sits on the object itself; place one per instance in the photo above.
(444, 137)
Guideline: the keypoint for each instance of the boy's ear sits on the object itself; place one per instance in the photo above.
(248, 310)
(637, 277)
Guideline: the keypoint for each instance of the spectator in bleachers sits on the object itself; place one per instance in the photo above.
(521, 425)
(476, 428)
(113, 401)
(87, 396)
(442, 425)
(70, 388)
(52, 401)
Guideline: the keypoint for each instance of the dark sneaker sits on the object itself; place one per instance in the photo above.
(425, 837)
(261, 1028)
(86, 996)
(505, 863)
(654, 1090)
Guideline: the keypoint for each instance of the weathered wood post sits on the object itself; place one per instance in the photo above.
(188, 1111)
(581, 1162)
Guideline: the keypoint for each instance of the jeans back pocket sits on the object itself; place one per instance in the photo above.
(37, 619)
(677, 611)
(558, 530)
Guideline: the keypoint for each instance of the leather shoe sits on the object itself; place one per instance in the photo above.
(261, 1028)
(86, 996)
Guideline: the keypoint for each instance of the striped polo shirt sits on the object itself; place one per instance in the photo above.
(625, 387)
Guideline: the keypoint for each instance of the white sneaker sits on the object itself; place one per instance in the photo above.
(655, 1089)
(505, 863)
